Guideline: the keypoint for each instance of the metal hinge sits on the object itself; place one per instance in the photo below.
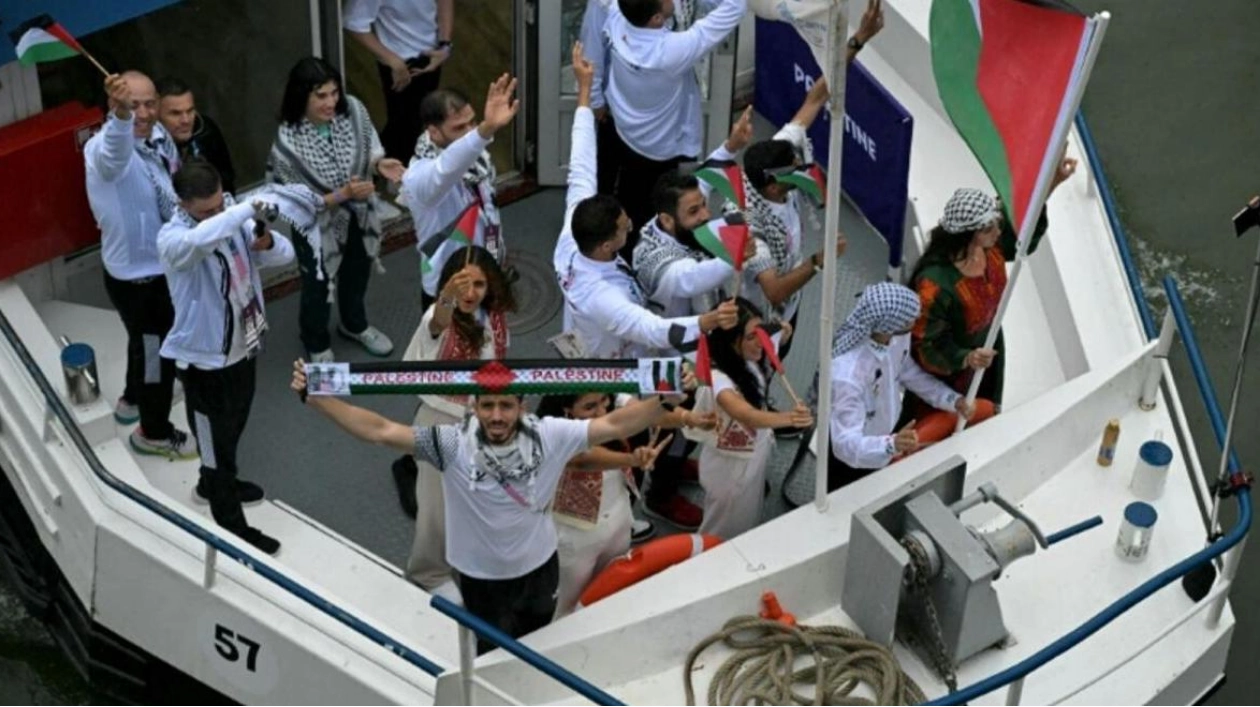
(531, 12)
(531, 152)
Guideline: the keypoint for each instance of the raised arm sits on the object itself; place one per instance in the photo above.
(684, 49)
(582, 142)
(688, 278)
(181, 248)
(109, 154)
(734, 405)
(360, 423)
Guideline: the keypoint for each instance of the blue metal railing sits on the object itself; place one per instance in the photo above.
(535, 659)
(1208, 394)
(276, 577)
(1117, 228)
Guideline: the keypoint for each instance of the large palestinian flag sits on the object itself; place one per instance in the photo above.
(1011, 74)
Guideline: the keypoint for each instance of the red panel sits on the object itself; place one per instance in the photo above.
(42, 193)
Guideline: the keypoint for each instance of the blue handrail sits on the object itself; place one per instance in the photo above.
(213, 540)
(1117, 228)
(525, 653)
(1146, 589)
(1197, 365)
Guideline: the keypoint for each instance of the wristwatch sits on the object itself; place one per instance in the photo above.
(813, 260)
(668, 406)
(855, 44)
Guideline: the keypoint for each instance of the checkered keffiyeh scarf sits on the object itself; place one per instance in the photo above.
(161, 160)
(655, 252)
(301, 155)
(883, 308)
(969, 210)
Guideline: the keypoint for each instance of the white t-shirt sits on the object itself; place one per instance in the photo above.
(426, 347)
(732, 436)
(490, 533)
(406, 27)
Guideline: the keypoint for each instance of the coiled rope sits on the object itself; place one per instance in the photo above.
(763, 668)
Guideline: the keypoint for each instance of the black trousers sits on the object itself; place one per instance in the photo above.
(218, 405)
(146, 311)
(402, 111)
(840, 474)
(516, 606)
(636, 179)
(608, 147)
(352, 281)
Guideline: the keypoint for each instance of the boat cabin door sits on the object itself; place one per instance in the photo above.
(558, 24)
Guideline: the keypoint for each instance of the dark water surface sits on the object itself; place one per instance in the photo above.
(1174, 103)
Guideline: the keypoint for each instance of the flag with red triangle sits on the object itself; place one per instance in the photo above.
(462, 231)
(43, 39)
(726, 178)
(1010, 74)
(810, 179)
(704, 364)
(771, 349)
(725, 238)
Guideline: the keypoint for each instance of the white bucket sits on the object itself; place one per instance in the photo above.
(1134, 539)
(1151, 472)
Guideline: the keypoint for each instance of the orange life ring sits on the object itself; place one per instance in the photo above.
(938, 424)
(643, 562)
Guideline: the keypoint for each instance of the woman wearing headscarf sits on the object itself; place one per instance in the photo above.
(326, 142)
(960, 280)
(870, 368)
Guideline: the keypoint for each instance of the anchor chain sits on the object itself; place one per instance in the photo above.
(916, 581)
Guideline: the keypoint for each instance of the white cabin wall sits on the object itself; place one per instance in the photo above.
(746, 61)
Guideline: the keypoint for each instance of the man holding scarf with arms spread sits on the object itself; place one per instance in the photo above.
(500, 468)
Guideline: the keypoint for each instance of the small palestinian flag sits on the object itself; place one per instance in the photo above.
(461, 231)
(43, 39)
(810, 179)
(704, 363)
(771, 349)
(1011, 74)
(726, 178)
(665, 375)
(725, 238)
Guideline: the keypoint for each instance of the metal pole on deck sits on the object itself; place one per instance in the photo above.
(836, 55)
(1041, 192)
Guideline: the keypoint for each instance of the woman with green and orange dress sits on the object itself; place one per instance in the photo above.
(960, 279)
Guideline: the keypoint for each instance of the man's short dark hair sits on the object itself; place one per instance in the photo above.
(196, 179)
(669, 190)
(595, 222)
(171, 86)
(440, 104)
(765, 156)
(639, 12)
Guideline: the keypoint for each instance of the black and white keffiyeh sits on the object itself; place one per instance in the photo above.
(161, 160)
(883, 308)
(518, 461)
(302, 156)
(481, 171)
(969, 210)
(655, 252)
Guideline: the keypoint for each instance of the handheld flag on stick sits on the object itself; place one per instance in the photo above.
(772, 354)
(461, 232)
(810, 179)
(1011, 74)
(44, 39)
(726, 238)
(647, 376)
(704, 364)
(726, 178)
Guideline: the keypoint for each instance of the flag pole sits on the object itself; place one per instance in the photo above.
(1042, 191)
(836, 60)
(92, 59)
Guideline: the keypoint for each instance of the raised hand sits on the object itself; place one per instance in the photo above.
(119, 95)
(979, 358)
(1067, 167)
(872, 21)
(723, 316)
(583, 69)
(741, 132)
(500, 108)
(458, 285)
(800, 417)
(645, 457)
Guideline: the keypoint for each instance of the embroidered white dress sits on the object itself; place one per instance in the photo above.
(733, 468)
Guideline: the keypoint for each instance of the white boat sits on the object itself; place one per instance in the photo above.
(140, 578)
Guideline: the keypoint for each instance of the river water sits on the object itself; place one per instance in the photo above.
(1175, 108)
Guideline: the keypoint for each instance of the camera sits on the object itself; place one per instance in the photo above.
(1248, 217)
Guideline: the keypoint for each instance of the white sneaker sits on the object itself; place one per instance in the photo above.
(372, 339)
(325, 356)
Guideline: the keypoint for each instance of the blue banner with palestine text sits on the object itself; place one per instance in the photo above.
(878, 130)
